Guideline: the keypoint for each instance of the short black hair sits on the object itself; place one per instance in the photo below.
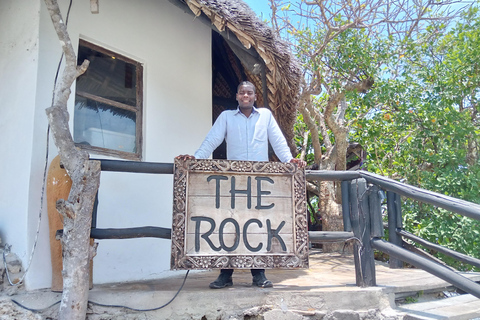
(246, 83)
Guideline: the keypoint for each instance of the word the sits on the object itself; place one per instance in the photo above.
(247, 191)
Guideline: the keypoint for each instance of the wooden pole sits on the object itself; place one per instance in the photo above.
(393, 237)
(360, 219)
(376, 220)
(347, 226)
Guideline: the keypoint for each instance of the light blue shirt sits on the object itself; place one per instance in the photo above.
(247, 138)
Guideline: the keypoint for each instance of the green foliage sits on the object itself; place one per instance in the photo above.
(409, 300)
(423, 127)
(420, 122)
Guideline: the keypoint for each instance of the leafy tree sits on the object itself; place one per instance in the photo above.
(344, 47)
(425, 128)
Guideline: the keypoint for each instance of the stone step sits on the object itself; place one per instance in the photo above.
(462, 307)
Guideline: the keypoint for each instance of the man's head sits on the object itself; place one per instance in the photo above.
(246, 96)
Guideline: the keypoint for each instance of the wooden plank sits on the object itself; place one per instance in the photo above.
(135, 166)
(225, 211)
(205, 207)
(277, 184)
(434, 268)
(469, 209)
(194, 9)
(464, 306)
(329, 175)
(433, 246)
(126, 233)
(330, 236)
(259, 242)
(107, 101)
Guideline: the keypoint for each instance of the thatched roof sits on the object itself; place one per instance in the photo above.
(282, 71)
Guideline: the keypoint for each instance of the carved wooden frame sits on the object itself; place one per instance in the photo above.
(294, 260)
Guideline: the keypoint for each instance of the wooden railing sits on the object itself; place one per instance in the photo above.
(360, 203)
(363, 222)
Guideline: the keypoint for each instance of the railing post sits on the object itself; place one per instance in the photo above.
(95, 211)
(394, 222)
(347, 226)
(360, 220)
(376, 219)
(398, 211)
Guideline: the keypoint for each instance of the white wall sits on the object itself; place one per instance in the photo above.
(19, 31)
(175, 52)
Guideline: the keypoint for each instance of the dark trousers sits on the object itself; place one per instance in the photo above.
(253, 271)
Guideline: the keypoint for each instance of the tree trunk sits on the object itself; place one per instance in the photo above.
(331, 213)
(85, 175)
(77, 251)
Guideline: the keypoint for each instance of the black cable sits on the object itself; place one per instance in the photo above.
(92, 302)
(109, 305)
(61, 57)
(68, 12)
(152, 309)
(34, 310)
(44, 179)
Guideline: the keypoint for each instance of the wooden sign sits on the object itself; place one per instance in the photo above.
(239, 215)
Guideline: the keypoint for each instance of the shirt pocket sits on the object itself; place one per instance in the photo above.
(260, 133)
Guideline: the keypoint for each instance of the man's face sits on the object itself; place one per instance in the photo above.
(246, 96)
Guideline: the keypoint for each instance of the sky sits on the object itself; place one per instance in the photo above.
(261, 7)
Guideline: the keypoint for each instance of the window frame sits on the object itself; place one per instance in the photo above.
(138, 108)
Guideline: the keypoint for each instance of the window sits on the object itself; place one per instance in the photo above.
(108, 104)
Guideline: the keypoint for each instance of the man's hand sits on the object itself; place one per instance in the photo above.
(185, 157)
(300, 163)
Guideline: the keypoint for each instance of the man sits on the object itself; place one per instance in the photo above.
(247, 132)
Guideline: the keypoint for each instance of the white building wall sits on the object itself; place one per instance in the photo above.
(19, 32)
(175, 51)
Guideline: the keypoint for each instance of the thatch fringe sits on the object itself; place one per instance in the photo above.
(282, 70)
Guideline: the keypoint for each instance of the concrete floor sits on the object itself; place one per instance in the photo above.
(328, 285)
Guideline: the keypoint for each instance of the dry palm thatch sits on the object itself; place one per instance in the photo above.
(282, 71)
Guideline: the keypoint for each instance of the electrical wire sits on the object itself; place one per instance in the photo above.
(7, 248)
(144, 310)
(109, 305)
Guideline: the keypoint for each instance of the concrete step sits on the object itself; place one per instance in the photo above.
(462, 307)
(326, 290)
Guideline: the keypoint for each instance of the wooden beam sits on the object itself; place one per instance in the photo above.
(434, 268)
(433, 246)
(329, 175)
(130, 233)
(126, 233)
(136, 166)
(329, 236)
(230, 37)
(462, 207)
(237, 46)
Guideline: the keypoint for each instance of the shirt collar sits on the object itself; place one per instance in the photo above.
(254, 110)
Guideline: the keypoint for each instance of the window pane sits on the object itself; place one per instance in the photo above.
(100, 125)
(107, 77)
